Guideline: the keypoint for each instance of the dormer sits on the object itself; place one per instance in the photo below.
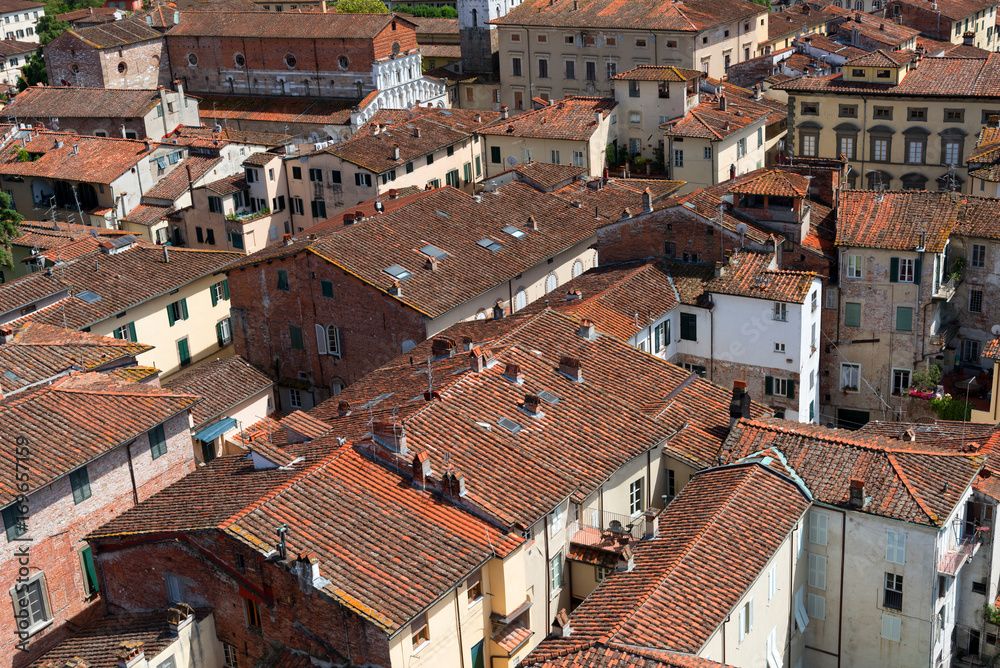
(777, 198)
(883, 67)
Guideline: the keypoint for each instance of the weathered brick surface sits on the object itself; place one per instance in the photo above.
(57, 527)
(134, 578)
(145, 64)
(372, 325)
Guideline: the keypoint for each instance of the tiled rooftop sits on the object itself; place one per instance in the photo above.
(148, 214)
(98, 159)
(798, 17)
(684, 15)
(225, 383)
(258, 25)
(610, 200)
(572, 118)
(752, 274)
(773, 182)
(987, 148)
(266, 139)
(613, 655)
(916, 485)
(58, 419)
(685, 582)
(547, 175)
(454, 223)
(278, 110)
(38, 352)
(881, 57)
(708, 120)
(897, 220)
(952, 9)
(178, 180)
(229, 185)
(659, 73)
(116, 34)
(62, 102)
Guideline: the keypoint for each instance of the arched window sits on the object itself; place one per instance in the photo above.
(551, 283)
(481, 314)
(520, 299)
(577, 268)
(475, 18)
(408, 345)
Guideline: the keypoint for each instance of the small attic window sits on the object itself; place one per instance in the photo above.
(509, 425)
(515, 232)
(397, 272)
(88, 296)
(489, 245)
(434, 252)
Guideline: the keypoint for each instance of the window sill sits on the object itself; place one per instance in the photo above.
(476, 600)
(416, 650)
(35, 628)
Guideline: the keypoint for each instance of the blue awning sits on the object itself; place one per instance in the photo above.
(213, 431)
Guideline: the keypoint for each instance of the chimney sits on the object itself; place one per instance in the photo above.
(626, 214)
(720, 269)
(726, 126)
(6, 334)
(166, 255)
(348, 219)
(307, 568)
(286, 240)
(416, 132)
(467, 343)
(421, 467)
(443, 347)
(532, 405)
(343, 409)
(739, 407)
(857, 498)
(647, 201)
(454, 484)
(560, 625)
(179, 617)
(76, 149)
(572, 368)
(498, 310)
(129, 654)
(478, 359)
(179, 87)
(395, 151)
(322, 6)
(512, 372)
(651, 522)
(396, 290)
(59, 143)
(574, 294)
(393, 193)
(390, 435)
(626, 560)
(478, 118)
(969, 38)
(431, 263)
(722, 103)
(756, 92)
(586, 329)
(532, 223)
(503, 111)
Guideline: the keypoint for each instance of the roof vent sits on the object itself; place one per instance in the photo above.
(431, 263)
(343, 409)
(59, 143)
(395, 151)
(739, 405)
(479, 359)
(512, 372)
(626, 214)
(421, 467)
(179, 617)
(586, 329)
(443, 347)
(647, 200)
(396, 290)
(348, 219)
(572, 368)
(416, 132)
(532, 223)
(130, 653)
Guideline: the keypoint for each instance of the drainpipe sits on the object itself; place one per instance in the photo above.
(131, 474)
(864, 138)
(458, 632)
(917, 311)
(843, 554)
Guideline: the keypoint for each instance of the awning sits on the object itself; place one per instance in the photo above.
(213, 431)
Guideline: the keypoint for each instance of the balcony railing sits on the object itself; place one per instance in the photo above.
(614, 523)
(947, 289)
(956, 556)
(248, 216)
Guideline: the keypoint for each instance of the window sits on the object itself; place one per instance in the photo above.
(591, 70)
(633, 88)
(772, 582)
(882, 113)
(781, 311)
(430, 158)
(515, 67)
(817, 527)
(520, 300)
(883, 74)
(900, 381)
(90, 584)
(495, 157)
(850, 377)
(880, 149)
(555, 157)
(252, 609)
(978, 256)
(816, 606)
(745, 619)
(316, 175)
(891, 627)
(951, 152)
(612, 69)
(570, 69)
(635, 117)
(916, 114)
(251, 175)
(214, 204)
(852, 314)
(177, 311)
(183, 352)
(954, 115)
(854, 266)
(707, 154)
(817, 571)
(297, 206)
(808, 146)
(294, 398)
(229, 656)
(79, 481)
(543, 69)
(556, 571)
(678, 158)
(318, 208)
(31, 602)
(578, 158)
(157, 442)
(635, 497)
(297, 173)
(741, 147)
(602, 572)
(331, 336)
(126, 333)
(283, 280)
(893, 594)
(975, 301)
(335, 176)
(474, 587)
(779, 347)
(970, 351)
(219, 291)
(846, 144)
(906, 269)
(904, 319)
(295, 337)
(363, 180)
(915, 151)
(848, 111)
(689, 327)
(810, 108)
(661, 336)
(801, 616)
(774, 659)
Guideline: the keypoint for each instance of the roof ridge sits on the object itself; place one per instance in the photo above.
(905, 479)
(113, 393)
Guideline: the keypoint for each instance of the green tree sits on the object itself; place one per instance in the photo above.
(9, 227)
(49, 27)
(33, 72)
(361, 7)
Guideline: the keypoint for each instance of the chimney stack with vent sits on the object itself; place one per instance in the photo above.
(421, 469)
(478, 359)
(396, 290)
(416, 132)
(179, 617)
(857, 498)
(503, 111)
(647, 201)
(395, 151)
(722, 103)
(651, 522)
(512, 372)
(343, 409)
(431, 263)
(532, 223)
(532, 405)
(166, 255)
(391, 435)
(130, 654)
(586, 329)
(572, 368)
(739, 407)
(443, 347)
(498, 310)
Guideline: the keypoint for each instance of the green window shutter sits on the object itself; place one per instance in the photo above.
(218, 333)
(791, 389)
(812, 411)
(852, 315)
(117, 333)
(768, 385)
(327, 287)
(170, 315)
(295, 333)
(904, 319)
(894, 270)
(225, 289)
(495, 155)
(916, 270)
(157, 442)
(467, 168)
(13, 523)
(215, 296)
(80, 482)
(184, 309)
(477, 655)
(89, 571)
(183, 352)
(131, 332)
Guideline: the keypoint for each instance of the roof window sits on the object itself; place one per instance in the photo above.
(397, 272)
(509, 425)
(515, 232)
(490, 245)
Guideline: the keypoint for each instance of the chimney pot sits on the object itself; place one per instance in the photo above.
(532, 404)
(647, 200)
(166, 255)
(586, 329)
(857, 497)
(129, 653)
(416, 132)
(503, 111)
(532, 223)
(343, 409)
(719, 271)
(287, 239)
(478, 118)
(739, 406)
(348, 219)
(431, 263)
(393, 193)
(571, 367)
(395, 289)
(512, 372)
(478, 359)
(443, 347)
(421, 467)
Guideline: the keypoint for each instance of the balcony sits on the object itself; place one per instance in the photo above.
(611, 526)
(959, 554)
(946, 290)
(247, 216)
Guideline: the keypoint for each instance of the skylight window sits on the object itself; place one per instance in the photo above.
(397, 272)
(88, 296)
(489, 245)
(515, 232)
(548, 397)
(442, 214)
(434, 252)
(509, 425)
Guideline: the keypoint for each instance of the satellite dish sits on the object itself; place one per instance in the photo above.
(996, 330)
(741, 229)
(511, 161)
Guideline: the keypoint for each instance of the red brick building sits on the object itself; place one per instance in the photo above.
(121, 54)
(78, 451)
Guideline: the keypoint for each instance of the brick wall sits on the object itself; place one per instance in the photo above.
(88, 126)
(134, 574)
(67, 51)
(57, 526)
(144, 65)
(372, 325)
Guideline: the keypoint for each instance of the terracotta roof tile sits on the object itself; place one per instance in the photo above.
(278, 110)
(609, 199)
(612, 655)
(773, 182)
(116, 33)
(58, 420)
(98, 160)
(881, 58)
(61, 102)
(547, 175)
(571, 118)
(828, 44)
(432, 25)
(225, 383)
(659, 73)
(793, 19)
(135, 374)
(987, 147)
(258, 25)
(268, 139)
(229, 185)
(992, 350)
(687, 15)
(952, 9)
(148, 214)
(512, 636)
(897, 220)
(752, 274)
